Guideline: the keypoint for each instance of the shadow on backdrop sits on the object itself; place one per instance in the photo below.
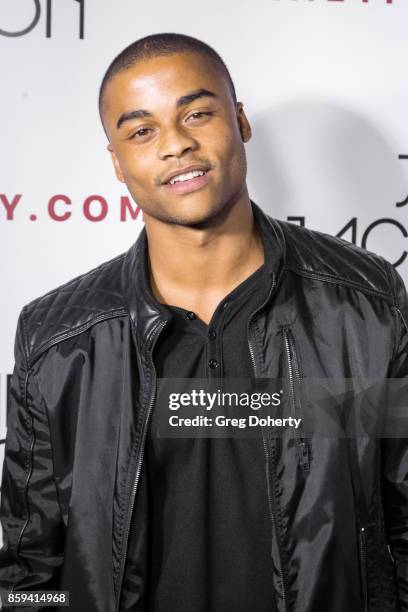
(329, 164)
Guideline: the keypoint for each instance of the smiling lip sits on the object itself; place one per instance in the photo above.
(191, 185)
(199, 167)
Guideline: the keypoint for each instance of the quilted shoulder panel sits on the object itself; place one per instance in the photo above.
(334, 259)
(75, 305)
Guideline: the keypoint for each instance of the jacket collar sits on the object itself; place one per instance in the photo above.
(145, 311)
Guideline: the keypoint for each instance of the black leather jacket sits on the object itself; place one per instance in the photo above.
(82, 393)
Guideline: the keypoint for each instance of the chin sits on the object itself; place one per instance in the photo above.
(193, 210)
(196, 213)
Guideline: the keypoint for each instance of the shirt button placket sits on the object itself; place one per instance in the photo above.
(213, 349)
(214, 341)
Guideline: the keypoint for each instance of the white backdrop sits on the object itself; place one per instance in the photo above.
(324, 83)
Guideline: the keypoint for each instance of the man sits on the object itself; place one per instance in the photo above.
(95, 503)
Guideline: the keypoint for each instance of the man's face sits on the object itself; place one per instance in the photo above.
(176, 137)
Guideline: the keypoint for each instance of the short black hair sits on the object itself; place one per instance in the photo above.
(162, 44)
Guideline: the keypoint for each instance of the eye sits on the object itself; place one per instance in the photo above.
(199, 115)
(140, 133)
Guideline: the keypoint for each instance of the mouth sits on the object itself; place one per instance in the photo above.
(188, 180)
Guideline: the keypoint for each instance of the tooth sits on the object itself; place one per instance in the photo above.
(186, 177)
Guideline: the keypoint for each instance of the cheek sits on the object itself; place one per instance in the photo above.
(137, 168)
(227, 148)
(235, 159)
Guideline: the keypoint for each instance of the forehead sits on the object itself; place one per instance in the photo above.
(160, 81)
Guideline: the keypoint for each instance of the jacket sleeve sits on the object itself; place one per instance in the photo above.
(33, 535)
(395, 457)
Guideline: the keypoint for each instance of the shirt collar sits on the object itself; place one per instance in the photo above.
(146, 312)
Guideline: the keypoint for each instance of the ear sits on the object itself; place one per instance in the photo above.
(243, 123)
(116, 165)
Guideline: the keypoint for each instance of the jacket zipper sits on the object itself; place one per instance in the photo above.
(363, 566)
(267, 454)
(274, 528)
(154, 338)
(294, 379)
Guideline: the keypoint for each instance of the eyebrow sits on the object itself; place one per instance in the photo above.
(194, 95)
(183, 101)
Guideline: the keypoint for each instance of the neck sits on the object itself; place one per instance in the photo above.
(196, 267)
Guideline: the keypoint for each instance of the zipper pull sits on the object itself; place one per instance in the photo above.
(304, 454)
(273, 280)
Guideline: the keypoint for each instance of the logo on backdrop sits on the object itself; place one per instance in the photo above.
(350, 229)
(60, 208)
(48, 19)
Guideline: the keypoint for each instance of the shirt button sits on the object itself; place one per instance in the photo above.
(212, 334)
(225, 305)
(213, 363)
(191, 315)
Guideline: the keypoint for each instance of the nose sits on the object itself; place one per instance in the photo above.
(175, 142)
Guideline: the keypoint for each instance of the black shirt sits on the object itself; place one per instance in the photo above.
(210, 524)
